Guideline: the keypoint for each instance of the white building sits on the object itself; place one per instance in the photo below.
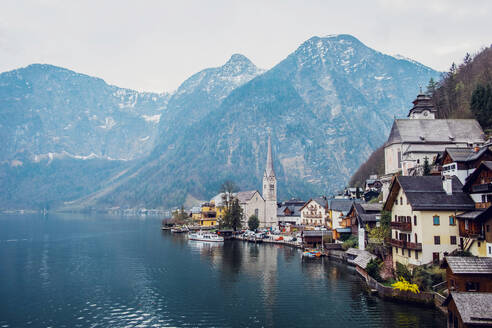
(315, 212)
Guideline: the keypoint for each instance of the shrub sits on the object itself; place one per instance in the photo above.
(373, 268)
(402, 271)
(403, 285)
(351, 242)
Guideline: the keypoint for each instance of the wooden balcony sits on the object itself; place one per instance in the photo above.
(406, 244)
(402, 226)
(486, 187)
(483, 205)
(474, 230)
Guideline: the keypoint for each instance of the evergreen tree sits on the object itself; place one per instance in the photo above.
(431, 87)
(427, 168)
(228, 188)
(481, 105)
(233, 216)
(467, 59)
(253, 222)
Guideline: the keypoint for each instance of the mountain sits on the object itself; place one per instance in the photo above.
(327, 106)
(50, 111)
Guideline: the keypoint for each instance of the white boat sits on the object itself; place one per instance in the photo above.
(205, 236)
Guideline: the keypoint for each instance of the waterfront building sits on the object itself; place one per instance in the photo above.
(468, 274)
(210, 213)
(475, 226)
(196, 214)
(269, 191)
(289, 212)
(363, 215)
(423, 211)
(338, 210)
(469, 309)
(415, 139)
(315, 212)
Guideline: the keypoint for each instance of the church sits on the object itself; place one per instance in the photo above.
(264, 206)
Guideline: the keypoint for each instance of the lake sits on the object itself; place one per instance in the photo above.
(94, 270)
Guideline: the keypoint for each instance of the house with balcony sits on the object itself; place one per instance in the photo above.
(338, 210)
(423, 213)
(362, 216)
(315, 212)
(462, 162)
(475, 226)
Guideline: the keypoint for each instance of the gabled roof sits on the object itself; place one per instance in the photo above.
(367, 212)
(362, 257)
(341, 205)
(485, 165)
(245, 196)
(319, 200)
(427, 193)
(465, 154)
(448, 131)
(474, 308)
(469, 265)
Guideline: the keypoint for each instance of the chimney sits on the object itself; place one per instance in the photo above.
(447, 184)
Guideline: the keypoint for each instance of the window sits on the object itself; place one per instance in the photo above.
(437, 240)
(401, 201)
(466, 225)
(488, 228)
(436, 220)
(272, 187)
(435, 257)
(416, 241)
(396, 218)
(415, 220)
(490, 250)
(452, 220)
(256, 212)
(396, 201)
(416, 255)
(453, 240)
(409, 253)
(472, 286)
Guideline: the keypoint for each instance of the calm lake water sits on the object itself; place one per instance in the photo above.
(101, 271)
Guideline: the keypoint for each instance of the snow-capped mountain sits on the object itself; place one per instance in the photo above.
(48, 111)
(327, 105)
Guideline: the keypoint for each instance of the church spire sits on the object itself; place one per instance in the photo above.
(269, 172)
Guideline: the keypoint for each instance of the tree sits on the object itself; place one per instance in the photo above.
(227, 189)
(481, 105)
(233, 215)
(431, 87)
(427, 168)
(180, 216)
(253, 222)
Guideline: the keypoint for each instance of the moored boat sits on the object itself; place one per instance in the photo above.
(205, 236)
(179, 229)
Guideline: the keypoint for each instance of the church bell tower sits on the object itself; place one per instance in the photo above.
(270, 190)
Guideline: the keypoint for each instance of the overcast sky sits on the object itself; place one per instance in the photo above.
(155, 45)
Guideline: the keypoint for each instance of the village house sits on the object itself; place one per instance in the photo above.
(468, 274)
(315, 212)
(338, 210)
(210, 214)
(461, 162)
(423, 211)
(289, 212)
(469, 309)
(422, 137)
(363, 215)
(475, 227)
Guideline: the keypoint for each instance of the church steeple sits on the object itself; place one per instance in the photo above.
(269, 172)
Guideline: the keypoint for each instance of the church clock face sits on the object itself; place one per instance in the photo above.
(426, 113)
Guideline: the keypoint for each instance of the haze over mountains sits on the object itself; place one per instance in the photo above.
(327, 106)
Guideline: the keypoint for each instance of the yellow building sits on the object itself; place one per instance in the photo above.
(423, 217)
(210, 214)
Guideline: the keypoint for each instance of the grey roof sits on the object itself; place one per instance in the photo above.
(470, 215)
(465, 154)
(362, 257)
(484, 165)
(316, 233)
(341, 205)
(469, 265)
(427, 193)
(294, 205)
(368, 212)
(245, 196)
(372, 207)
(474, 308)
(448, 131)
